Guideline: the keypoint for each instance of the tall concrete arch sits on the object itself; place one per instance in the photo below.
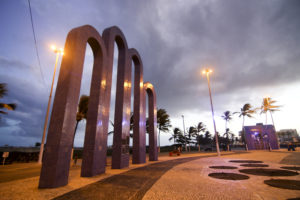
(139, 111)
(152, 109)
(56, 161)
(120, 155)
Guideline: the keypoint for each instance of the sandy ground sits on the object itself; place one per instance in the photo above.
(185, 181)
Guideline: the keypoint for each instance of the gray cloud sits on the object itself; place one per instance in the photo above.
(250, 44)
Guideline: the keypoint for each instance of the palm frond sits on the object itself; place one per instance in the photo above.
(11, 106)
(2, 112)
(3, 90)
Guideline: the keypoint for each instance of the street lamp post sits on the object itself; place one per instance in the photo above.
(184, 131)
(206, 72)
(58, 52)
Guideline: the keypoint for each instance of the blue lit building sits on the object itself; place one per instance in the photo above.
(260, 137)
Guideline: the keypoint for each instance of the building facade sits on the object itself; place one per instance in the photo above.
(286, 136)
(261, 137)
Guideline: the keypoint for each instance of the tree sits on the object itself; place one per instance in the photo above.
(227, 116)
(246, 111)
(163, 123)
(268, 106)
(200, 128)
(10, 106)
(207, 138)
(191, 132)
(82, 110)
(37, 144)
(200, 140)
(229, 138)
(176, 133)
(181, 139)
(80, 115)
(131, 126)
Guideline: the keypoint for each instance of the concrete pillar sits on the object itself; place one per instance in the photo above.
(139, 112)
(153, 151)
(56, 161)
(120, 155)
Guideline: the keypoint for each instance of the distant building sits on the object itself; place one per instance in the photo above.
(261, 137)
(286, 136)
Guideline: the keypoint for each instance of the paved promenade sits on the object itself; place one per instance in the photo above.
(184, 177)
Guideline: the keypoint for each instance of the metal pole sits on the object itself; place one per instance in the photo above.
(184, 131)
(212, 111)
(47, 113)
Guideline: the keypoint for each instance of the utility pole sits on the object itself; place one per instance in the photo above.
(184, 131)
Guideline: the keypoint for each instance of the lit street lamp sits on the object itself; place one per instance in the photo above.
(206, 72)
(58, 52)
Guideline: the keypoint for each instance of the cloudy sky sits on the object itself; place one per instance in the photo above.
(253, 48)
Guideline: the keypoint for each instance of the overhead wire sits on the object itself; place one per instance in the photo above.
(35, 43)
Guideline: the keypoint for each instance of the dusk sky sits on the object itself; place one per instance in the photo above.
(253, 48)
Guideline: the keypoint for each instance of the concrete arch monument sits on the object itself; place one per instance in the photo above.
(120, 155)
(56, 161)
(139, 110)
(152, 109)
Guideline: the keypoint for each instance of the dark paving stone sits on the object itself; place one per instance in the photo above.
(291, 168)
(132, 184)
(222, 167)
(246, 161)
(284, 184)
(292, 159)
(268, 172)
(229, 176)
(254, 165)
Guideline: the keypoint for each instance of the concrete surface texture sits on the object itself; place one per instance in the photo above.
(55, 167)
(182, 177)
(191, 181)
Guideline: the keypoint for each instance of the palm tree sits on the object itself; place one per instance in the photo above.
(10, 106)
(112, 124)
(268, 106)
(82, 110)
(227, 116)
(163, 123)
(192, 131)
(80, 115)
(175, 135)
(131, 126)
(207, 137)
(200, 128)
(181, 139)
(229, 137)
(246, 111)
